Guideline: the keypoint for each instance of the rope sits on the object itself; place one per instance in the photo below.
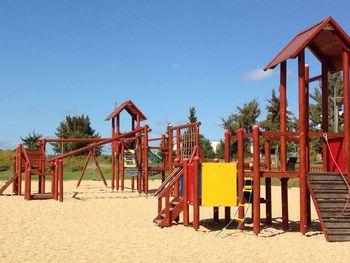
(235, 217)
(341, 173)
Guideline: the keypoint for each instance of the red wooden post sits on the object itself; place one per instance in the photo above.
(240, 173)
(167, 208)
(197, 138)
(113, 157)
(27, 182)
(195, 193)
(185, 192)
(122, 171)
(117, 157)
(302, 140)
(325, 155)
(43, 167)
(19, 165)
(346, 112)
(118, 150)
(60, 165)
(215, 208)
(146, 159)
(256, 180)
(163, 158)
(55, 179)
(170, 145)
(14, 167)
(308, 197)
(268, 184)
(227, 160)
(178, 144)
(283, 142)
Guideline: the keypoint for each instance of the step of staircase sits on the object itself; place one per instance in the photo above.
(176, 207)
(330, 195)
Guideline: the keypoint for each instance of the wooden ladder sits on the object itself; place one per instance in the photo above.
(330, 195)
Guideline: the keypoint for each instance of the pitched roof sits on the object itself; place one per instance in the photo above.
(130, 107)
(326, 40)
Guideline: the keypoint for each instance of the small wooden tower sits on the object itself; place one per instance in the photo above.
(118, 147)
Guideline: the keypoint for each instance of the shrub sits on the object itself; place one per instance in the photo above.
(4, 167)
(76, 168)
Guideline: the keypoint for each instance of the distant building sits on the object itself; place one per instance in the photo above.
(214, 144)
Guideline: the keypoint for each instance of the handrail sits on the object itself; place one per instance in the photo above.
(173, 173)
(276, 135)
(171, 184)
(94, 145)
(187, 125)
(73, 139)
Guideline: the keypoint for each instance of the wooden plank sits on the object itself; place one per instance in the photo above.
(338, 238)
(344, 216)
(339, 231)
(280, 174)
(329, 187)
(330, 225)
(325, 178)
(330, 196)
(331, 191)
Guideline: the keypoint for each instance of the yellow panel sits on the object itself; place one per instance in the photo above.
(219, 184)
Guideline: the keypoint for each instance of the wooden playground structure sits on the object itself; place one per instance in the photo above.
(193, 181)
(28, 164)
(328, 189)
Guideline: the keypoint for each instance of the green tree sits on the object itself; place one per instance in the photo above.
(272, 120)
(192, 117)
(31, 141)
(204, 143)
(245, 117)
(75, 127)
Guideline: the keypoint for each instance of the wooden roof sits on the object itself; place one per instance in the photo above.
(130, 107)
(326, 40)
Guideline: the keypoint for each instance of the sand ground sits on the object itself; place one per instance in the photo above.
(99, 225)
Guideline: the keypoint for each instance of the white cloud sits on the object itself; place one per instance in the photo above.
(175, 66)
(257, 74)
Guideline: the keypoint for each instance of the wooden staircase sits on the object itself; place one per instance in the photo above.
(169, 189)
(330, 194)
(175, 209)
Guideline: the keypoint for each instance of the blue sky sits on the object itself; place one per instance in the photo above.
(75, 57)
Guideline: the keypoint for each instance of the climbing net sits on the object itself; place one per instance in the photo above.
(187, 142)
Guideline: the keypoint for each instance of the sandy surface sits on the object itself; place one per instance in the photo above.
(99, 225)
